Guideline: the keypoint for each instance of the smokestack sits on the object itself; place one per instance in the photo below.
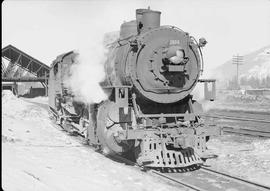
(147, 19)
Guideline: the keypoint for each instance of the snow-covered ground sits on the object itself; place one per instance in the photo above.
(242, 156)
(40, 99)
(37, 156)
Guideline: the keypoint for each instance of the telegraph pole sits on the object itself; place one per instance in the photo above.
(238, 60)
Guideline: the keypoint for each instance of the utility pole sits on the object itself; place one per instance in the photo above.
(238, 60)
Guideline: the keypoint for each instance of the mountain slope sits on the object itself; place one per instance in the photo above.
(261, 70)
(256, 65)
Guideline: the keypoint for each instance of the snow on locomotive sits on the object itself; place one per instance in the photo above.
(150, 72)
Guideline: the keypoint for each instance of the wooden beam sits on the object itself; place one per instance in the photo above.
(29, 64)
(16, 72)
(24, 79)
(18, 59)
(38, 69)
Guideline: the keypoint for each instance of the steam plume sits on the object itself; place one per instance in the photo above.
(87, 73)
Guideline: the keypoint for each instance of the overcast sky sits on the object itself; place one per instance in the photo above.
(45, 29)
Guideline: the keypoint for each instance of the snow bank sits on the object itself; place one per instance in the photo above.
(23, 121)
(14, 107)
(9, 101)
(37, 156)
(40, 99)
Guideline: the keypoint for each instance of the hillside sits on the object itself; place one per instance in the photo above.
(254, 71)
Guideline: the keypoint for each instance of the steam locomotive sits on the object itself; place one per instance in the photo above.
(151, 71)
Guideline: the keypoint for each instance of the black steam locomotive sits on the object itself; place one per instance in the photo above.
(150, 72)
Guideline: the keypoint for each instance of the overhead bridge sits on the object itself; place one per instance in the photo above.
(25, 61)
(23, 68)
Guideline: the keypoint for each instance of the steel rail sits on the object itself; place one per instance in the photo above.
(255, 184)
(236, 118)
(245, 131)
(239, 181)
(185, 184)
(182, 183)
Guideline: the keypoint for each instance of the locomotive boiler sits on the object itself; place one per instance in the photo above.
(151, 71)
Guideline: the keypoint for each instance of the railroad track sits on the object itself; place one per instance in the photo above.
(201, 178)
(205, 179)
(195, 178)
(229, 128)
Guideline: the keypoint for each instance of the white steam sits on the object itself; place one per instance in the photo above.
(87, 73)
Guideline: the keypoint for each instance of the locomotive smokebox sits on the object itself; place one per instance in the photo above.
(147, 19)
